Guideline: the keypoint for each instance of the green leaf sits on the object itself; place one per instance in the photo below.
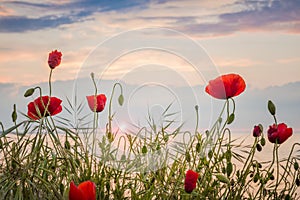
(222, 178)
(229, 168)
(271, 107)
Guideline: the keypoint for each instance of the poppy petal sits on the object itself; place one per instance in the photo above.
(226, 86)
(75, 193)
(88, 189)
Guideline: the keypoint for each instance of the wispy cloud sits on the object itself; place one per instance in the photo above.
(197, 17)
(253, 16)
(28, 16)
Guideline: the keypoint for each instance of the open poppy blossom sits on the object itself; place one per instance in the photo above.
(279, 133)
(190, 181)
(54, 59)
(37, 108)
(226, 86)
(96, 103)
(85, 191)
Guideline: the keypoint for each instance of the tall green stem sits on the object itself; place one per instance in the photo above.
(50, 87)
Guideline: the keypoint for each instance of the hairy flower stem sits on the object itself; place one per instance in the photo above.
(247, 167)
(50, 87)
(110, 116)
(95, 123)
(287, 162)
(260, 191)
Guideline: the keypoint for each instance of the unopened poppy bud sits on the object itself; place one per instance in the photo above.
(296, 165)
(14, 114)
(263, 141)
(256, 177)
(230, 118)
(110, 137)
(258, 147)
(93, 75)
(271, 107)
(144, 149)
(298, 182)
(29, 92)
(121, 100)
(287, 197)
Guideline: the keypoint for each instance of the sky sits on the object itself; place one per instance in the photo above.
(174, 46)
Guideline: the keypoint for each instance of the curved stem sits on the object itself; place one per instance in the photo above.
(110, 105)
(287, 162)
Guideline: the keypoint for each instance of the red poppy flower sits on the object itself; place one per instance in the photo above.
(190, 181)
(85, 191)
(226, 86)
(279, 133)
(54, 59)
(99, 104)
(257, 131)
(36, 109)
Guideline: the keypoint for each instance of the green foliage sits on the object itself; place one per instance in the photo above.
(40, 158)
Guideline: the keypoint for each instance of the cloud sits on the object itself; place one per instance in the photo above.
(193, 17)
(23, 23)
(255, 16)
(31, 16)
